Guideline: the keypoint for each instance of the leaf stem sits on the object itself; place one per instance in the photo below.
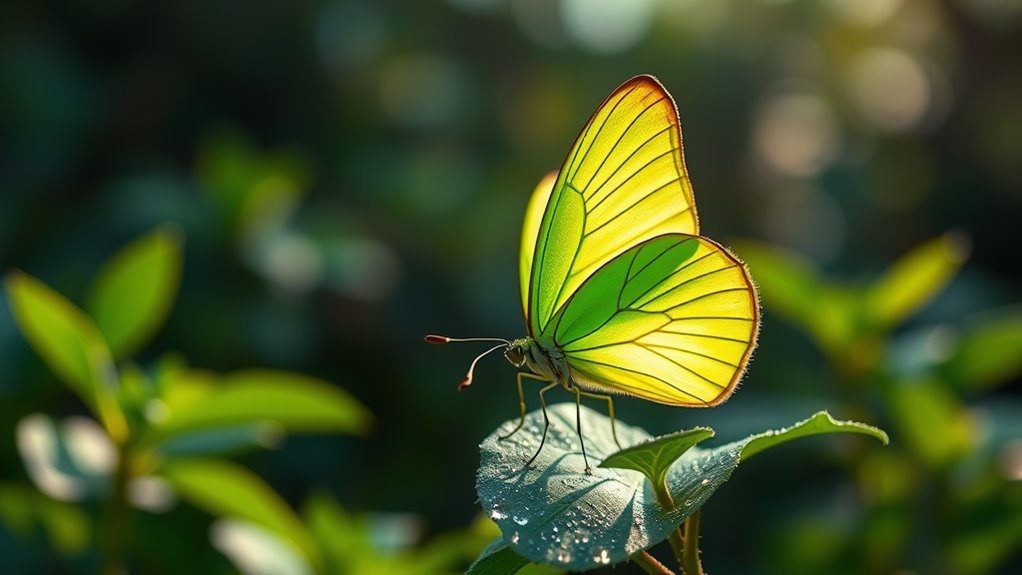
(691, 564)
(663, 496)
(649, 564)
(116, 529)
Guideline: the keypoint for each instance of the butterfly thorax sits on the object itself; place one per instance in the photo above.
(546, 362)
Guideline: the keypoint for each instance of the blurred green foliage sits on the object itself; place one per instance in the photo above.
(350, 175)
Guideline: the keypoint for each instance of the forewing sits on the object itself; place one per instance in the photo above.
(530, 229)
(623, 182)
(672, 320)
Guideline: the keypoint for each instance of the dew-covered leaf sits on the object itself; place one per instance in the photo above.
(554, 513)
(497, 559)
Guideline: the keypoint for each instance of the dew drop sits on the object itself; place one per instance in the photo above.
(514, 538)
(521, 520)
(704, 482)
(497, 514)
(602, 557)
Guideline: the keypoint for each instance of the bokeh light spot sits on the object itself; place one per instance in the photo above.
(890, 89)
(606, 26)
(865, 13)
(796, 134)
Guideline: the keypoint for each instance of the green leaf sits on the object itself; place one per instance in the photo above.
(932, 421)
(554, 513)
(988, 351)
(914, 280)
(23, 508)
(224, 489)
(134, 291)
(256, 191)
(224, 440)
(296, 402)
(820, 423)
(788, 283)
(71, 346)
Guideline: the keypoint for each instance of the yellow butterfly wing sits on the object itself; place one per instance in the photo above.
(672, 320)
(624, 182)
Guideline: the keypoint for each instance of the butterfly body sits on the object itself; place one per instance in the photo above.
(547, 363)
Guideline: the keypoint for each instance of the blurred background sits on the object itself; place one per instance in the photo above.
(349, 175)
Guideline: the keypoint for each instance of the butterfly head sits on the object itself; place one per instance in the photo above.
(516, 352)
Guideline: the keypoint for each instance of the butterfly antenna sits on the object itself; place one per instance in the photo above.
(438, 339)
(468, 378)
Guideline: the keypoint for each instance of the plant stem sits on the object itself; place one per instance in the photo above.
(667, 502)
(649, 564)
(691, 565)
(116, 529)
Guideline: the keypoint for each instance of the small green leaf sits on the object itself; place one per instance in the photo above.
(296, 402)
(988, 351)
(71, 346)
(224, 489)
(914, 280)
(134, 291)
(554, 513)
(820, 423)
(655, 457)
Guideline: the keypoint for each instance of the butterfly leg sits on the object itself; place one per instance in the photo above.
(546, 420)
(610, 410)
(578, 427)
(521, 401)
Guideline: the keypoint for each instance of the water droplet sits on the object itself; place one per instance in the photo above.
(563, 556)
(497, 515)
(514, 538)
(704, 482)
(521, 520)
(602, 557)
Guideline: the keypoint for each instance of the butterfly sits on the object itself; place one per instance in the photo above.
(621, 294)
